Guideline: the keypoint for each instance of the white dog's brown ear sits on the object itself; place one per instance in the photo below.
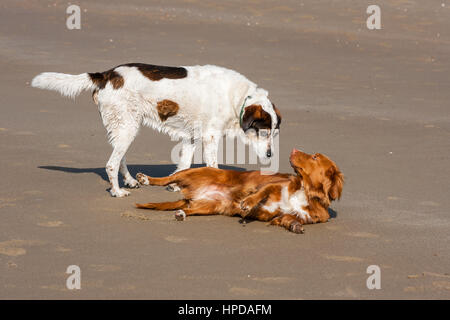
(255, 118)
(247, 120)
(278, 116)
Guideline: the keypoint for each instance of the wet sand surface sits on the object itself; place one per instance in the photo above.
(376, 102)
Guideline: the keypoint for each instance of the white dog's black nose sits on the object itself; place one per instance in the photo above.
(269, 153)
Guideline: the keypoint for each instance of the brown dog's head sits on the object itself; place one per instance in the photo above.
(322, 178)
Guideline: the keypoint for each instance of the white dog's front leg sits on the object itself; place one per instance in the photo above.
(210, 150)
(187, 152)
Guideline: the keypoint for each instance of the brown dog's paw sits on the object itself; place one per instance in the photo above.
(180, 215)
(143, 179)
(247, 204)
(296, 227)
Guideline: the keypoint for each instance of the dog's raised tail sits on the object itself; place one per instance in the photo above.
(68, 85)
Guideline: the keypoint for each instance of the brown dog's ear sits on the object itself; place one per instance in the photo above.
(337, 183)
(278, 116)
(319, 191)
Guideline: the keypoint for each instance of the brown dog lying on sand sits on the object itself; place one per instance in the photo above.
(285, 200)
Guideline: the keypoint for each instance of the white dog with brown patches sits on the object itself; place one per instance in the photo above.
(174, 100)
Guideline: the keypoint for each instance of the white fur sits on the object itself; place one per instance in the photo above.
(211, 193)
(180, 215)
(291, 204)
(67, 84)
(210, 97)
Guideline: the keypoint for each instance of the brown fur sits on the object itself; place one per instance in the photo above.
(278, 116)
(166, 109)
(95, 96)
(256, 118)
(102, 78)
(209, 191)
(156, 73)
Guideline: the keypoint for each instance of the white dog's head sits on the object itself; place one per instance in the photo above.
(260, 120)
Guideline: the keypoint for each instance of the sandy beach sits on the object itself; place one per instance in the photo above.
(375, 101)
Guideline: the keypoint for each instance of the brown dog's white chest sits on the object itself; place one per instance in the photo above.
(291, 204)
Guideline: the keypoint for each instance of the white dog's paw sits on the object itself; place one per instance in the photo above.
(180, 215)
(173, 187)
(131, 183)
(119, 193)
(143, 179)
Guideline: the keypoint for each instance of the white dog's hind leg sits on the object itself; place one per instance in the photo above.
(121, 141)
(128, 180)
(112, 169)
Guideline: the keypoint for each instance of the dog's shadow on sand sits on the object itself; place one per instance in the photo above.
(153, 170)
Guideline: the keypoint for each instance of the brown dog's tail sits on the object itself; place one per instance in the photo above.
(163, 206)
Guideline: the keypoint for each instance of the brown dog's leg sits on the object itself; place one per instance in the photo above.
(184, 207)
(263, 215)
(290, 222)
(197, 208)
(163, 206)
(204, 211)
(250, 202)
(202, 207)
(164, 181)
